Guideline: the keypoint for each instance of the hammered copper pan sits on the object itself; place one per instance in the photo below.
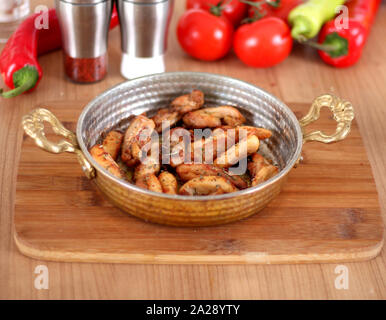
(113, 108)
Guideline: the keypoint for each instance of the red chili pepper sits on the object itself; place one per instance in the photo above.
(18, 60)
(341, 47)
(271, 8)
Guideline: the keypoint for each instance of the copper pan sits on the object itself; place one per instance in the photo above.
(112, 108)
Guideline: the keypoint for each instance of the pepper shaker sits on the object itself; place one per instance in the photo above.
(144, 29)
(84, 26)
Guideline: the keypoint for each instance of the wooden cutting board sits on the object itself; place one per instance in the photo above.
(327, 212)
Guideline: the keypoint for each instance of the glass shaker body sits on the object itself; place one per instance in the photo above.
(12, 12)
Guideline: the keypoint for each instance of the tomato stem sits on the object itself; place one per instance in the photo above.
(274, 3)
(258, 4)
(258, 13)
(218, 8)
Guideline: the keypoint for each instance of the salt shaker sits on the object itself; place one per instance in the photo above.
(144, 30)
(84, 26)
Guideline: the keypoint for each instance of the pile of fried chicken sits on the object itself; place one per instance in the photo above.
(188, 169)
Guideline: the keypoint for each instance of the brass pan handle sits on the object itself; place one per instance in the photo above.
(343, 114)
(33, 126)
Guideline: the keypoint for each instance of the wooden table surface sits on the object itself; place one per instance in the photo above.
(300, 78)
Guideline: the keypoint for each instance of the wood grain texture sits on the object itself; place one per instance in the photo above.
(300, 78)
(328, 211)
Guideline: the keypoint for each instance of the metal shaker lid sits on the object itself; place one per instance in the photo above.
(80, 39)
(83, 1)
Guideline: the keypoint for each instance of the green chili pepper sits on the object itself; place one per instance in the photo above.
(308, 18)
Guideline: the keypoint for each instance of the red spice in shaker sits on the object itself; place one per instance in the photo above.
(85, 70)
(84, 26)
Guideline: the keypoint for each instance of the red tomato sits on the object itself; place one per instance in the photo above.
(203, 35)
(233, 10)
(282, 11)
(263, 43)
